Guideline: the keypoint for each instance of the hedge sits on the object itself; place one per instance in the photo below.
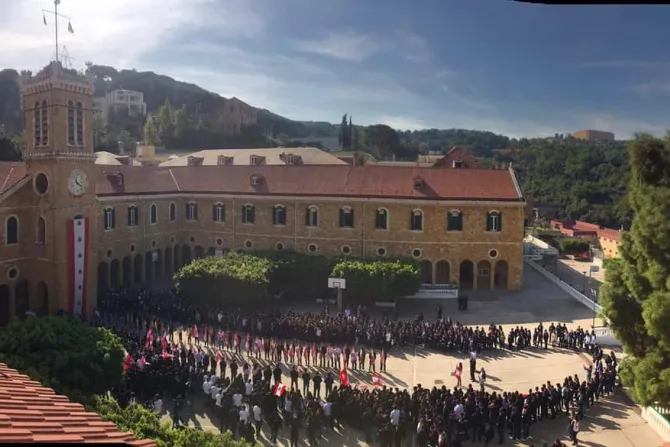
(371, 281)
(574, 246)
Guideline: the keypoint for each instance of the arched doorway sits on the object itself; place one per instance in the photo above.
(158, 264)
(169, 259)
(5, 305)
(199, 252)
(185, 255)
(426, 272)
(483, 275)
(148, 267)
(211, 251)
(42, 298)
(103, 277)
(466, 277)
(442, 272)
(126, 272)
(138, 266)
(115, 274)
(21, 298)
(501, 275)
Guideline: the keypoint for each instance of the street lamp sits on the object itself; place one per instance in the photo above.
(594, 294)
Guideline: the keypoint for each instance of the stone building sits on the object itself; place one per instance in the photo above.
(71, 228)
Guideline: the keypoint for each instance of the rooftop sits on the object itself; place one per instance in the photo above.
(272, 156)
(32, 413)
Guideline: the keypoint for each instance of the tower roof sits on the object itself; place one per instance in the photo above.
(54, 75)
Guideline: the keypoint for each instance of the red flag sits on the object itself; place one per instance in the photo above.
(344, 377)
(143, 362)
(164, 342)
(195, 331)
(166, 355)
(218, 357)
(279, 390)
(127, 362)
(376, 380)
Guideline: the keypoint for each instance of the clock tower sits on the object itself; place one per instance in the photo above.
(59, 157)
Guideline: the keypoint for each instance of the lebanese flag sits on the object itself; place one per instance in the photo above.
(196, 334)
(344, 377)
(376, 380)
(164, 342)
(166, 355)
(280, 390)
(218, 357)
(237, 339)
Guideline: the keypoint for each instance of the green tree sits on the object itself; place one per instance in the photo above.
(382, 140)
(181, 122)
(370, 281)
(72, 357)
(165, 123)
(151, 136)
(345, 134)
(298, 275)
(573, 246)
(146, 424)
(635, 297)
(235, 278)
(9, 150)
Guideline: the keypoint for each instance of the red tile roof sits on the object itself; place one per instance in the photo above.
(11, 173)
(456, 153)
(32, 413)
(333, 181)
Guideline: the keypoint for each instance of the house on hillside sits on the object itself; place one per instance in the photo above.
(606, 239)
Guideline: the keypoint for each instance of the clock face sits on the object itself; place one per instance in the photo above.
(78, 182)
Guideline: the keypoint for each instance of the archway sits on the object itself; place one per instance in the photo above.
(21, 298)
(483, 275)
(115, 274)
(199, 252)
(158, 264)
(103, 277)
(5, 305)
(426, 272)
(42, 299)
(148, 267)
(466, 277)
(442, 272)
(211, 251)
(138, 267)
(501, 275)
(185, 255)
(126, 272)
(169, 260)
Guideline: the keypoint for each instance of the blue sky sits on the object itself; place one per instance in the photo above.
(517, 69)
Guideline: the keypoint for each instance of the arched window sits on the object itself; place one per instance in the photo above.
(454, 220)
(79, 119)
(132, 216)
(494, 221)
(109, 218)
(279, 215)
(153, 214)
(346, 217)
(12, 230)
(191, 211)
(44, 120)
(71, 124)
(41, 231)
(312, 216)
(37, 123)
(219, 212)
(416, 220)
(381, 219)
(173, 212)
(248, 214)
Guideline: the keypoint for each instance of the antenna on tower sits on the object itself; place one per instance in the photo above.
(57, 15)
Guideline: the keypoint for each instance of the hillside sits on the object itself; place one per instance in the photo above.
(566, 177)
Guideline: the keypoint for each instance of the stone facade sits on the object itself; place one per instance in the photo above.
(36, 207)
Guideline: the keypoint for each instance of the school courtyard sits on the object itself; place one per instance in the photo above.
(612, 422)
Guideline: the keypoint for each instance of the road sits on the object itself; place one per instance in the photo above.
(577, 275)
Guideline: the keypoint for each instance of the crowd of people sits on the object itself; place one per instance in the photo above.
(284, 369)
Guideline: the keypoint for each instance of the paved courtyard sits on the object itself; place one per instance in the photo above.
(613, 422)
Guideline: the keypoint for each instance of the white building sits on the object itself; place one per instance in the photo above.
(121, 100)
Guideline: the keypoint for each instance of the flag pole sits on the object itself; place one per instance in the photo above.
(56, 2)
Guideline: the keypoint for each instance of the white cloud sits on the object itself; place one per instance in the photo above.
(118, 32)
(401, 122)
(347, 45)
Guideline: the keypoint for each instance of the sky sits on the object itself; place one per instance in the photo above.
(523, 70)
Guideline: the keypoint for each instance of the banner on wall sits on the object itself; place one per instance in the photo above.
(78, 237)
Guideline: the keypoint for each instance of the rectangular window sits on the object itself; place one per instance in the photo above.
(454, 221)
(132, 216)
(494, 222)
(347, 218)
(219, 213)
(248, 214)
(109, 218)
(380, 220)
(312, 217)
